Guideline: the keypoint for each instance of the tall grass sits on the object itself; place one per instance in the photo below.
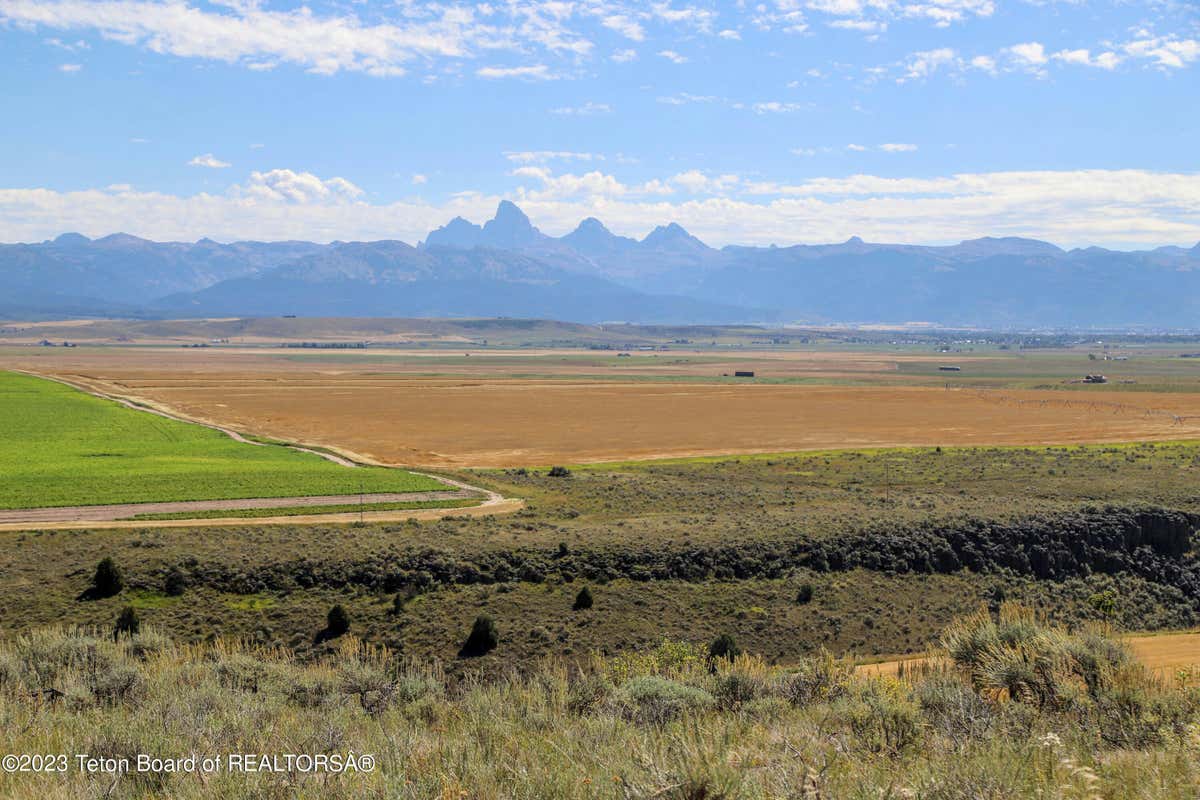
(1017, 709)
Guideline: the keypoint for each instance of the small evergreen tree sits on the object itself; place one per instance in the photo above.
(804, 594)
(559, 472)
(108, 580)
(482, 639)
(128, 622)
(724, 646)
(337, 622)
(583, 600)
(175, 583)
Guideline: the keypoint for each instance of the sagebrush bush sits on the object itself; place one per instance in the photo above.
(663, 722)
(655, 700)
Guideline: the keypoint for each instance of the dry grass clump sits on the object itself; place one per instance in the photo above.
(1019, 710)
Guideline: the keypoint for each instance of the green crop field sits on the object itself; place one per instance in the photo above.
(63, 447)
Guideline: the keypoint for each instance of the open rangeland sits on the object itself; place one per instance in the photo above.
(506, 408)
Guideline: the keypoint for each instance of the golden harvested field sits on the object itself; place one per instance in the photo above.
(398, 410)
(1164, 653)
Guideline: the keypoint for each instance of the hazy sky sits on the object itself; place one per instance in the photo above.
(782, 121)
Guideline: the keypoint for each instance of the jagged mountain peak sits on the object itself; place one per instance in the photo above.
(671, 236)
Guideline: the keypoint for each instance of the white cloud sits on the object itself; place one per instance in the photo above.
(285, 185)
(208, 160)
(686, 99)
(624, 56)
(69, 68)
(1106, 60)
(862, 25)
(419, 180)
(543, 156)
(1028, 54)
(588, 109)
(673, 57)
(1169, 52)
(776, 107)
(926, 62)
(984, 63)
(856, 148)
(697, 182)
(626, 26)
(532, 72)
(248, 33)
(730, 34)
(895, 147)
(1082, 207)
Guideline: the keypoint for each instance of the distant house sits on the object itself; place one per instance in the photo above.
(1095, 379)
(743, 373)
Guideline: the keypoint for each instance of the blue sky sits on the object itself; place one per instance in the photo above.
(782, 121)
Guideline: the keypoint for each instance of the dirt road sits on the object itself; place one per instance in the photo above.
(130, 510)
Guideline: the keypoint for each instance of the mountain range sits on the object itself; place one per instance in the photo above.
(507, 267)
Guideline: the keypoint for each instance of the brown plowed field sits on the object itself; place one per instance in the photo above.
(485, 421)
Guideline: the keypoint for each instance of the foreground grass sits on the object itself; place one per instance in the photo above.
(62, 447)
(1022, 710)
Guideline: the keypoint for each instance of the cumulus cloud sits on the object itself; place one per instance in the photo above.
(420, 180)
(897, 147)
(1028, 54)
(287, 186)
(208, 160)
(1170, 52)
(673, 57)
(1079, 207)
(69, 68)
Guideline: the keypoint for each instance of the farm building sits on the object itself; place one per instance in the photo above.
(950, 369)
(743, 373)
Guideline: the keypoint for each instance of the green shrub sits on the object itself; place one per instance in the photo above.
(817, 678)
(588, 693)
(482, 639)
(559, 472)
(583, 600)
(735, 688)
(882, 718)
(804, 594)
(108, 580)
(953, 708)
(651, 699)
